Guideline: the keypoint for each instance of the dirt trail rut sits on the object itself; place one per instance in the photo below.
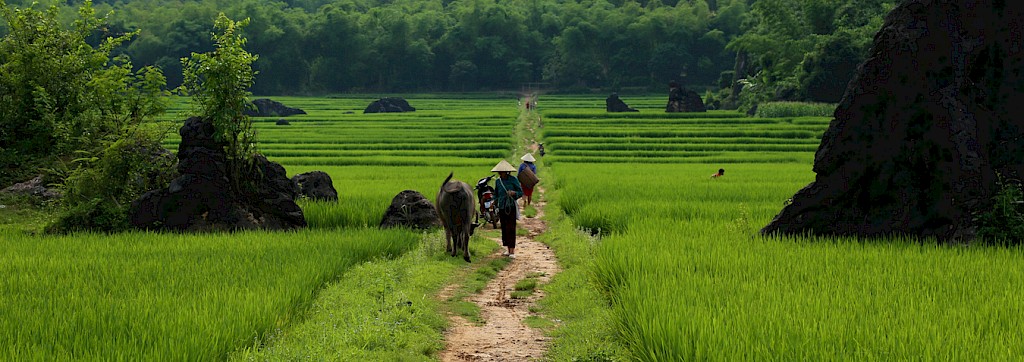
(505, 337)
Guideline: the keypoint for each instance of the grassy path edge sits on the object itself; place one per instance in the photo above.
(582, 319)
(382, 310)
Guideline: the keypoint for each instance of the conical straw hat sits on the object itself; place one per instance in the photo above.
(503, 166)
(528, 158)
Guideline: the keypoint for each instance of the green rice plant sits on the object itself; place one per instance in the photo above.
(635, 142)
(433, 135)
(145, 296)
(389, 146)
(383, 310)
(583, 331)
(699, 289)
(485, 153)
(593, 194)
(365, 192)
(385, 161)
(686, 276)
(616, 133)
(795, 109)
(667, 150)
(665, 122)
(602, 113)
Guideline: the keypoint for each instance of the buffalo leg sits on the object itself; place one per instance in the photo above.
(449, 245)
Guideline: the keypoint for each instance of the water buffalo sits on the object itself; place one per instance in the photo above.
(455, 206)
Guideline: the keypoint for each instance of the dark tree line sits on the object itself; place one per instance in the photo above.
(799, 49)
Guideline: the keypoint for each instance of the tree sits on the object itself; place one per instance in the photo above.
(808, 47)
(826, 71)
(71, 106)
(62, 95)
(219, 83)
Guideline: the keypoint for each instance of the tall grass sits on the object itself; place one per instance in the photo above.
(143, 296)
(705, 289)
(795, 109)
(688, 277)
(383, 310)
(573, 300)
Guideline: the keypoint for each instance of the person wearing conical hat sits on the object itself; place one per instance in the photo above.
(528, 163)
(508, 190)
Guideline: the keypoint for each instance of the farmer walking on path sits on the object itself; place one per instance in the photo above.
(508, 190)
(528, 164)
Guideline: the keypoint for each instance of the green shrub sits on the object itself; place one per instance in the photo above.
(1004, 223)
(98, 194)
(61, 94)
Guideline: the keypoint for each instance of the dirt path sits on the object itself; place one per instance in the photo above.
(505, 337)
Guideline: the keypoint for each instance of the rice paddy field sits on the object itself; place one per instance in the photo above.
(150, 296)
(673, 253)
(687, 275)
(373, 157)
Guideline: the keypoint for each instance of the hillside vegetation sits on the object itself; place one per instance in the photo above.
(785, 48)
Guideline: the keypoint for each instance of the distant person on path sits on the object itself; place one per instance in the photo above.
(721, 172)
(528, 163)
(508, 190)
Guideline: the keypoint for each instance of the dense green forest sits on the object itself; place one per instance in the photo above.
(780, 49)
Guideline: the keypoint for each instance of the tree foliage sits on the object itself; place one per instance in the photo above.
(321, 46)
(806, 49)
(318, 46)
(60, 94)
(1004, 222)
(219, 82)
(70, 105)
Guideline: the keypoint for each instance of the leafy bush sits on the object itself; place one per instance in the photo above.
(65, 98)
(1004, 223)
(98, 194)
(61, 94)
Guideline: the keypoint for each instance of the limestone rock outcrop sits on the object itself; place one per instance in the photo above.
(410, 209)
(930, 119)
(202, 198)
(683, 100)
(316, 185)
(389, 104)
(615, 104)
(270, 108)
(34, 188)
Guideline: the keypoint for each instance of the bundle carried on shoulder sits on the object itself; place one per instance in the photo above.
(527, 178)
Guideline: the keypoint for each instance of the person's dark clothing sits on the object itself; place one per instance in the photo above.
(508, 227)
(507, 208)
